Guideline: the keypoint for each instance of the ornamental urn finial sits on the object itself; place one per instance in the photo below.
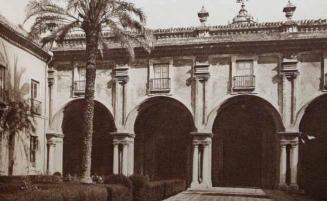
(289, 10)
(203, 16)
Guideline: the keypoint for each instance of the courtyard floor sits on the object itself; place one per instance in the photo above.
(237, 194)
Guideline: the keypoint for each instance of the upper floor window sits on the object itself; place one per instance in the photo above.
(160, 81)
(33, 149)
(2, 84)
(244, 78)
(79, 81)
(36, 104)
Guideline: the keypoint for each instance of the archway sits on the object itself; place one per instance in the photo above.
(163, 141)
(101, 143)
(313, 152)
(245, 144)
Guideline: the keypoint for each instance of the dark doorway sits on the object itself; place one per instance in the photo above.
(245, 146)
(163, 141)
(313, 153)
(102, 150)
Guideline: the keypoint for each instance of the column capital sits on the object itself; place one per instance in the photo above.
(120, 74)
(201, 70)
(122, 134)
(289, 67)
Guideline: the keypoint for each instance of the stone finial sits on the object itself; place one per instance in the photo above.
(203, 16)
(289, 10)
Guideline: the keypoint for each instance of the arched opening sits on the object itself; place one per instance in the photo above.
(102, 148)
(313, 152)
(163, 141)
(245, 144)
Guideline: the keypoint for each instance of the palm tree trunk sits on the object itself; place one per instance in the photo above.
(91, 52)
(11, 152)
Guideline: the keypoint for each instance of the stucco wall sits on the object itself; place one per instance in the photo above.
(33, 69)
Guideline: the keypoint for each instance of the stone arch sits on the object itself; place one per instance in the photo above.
(67, 121)
(245, 143)
(132, 115)
(269, 104)
(303, 109)
(162, 139)
(56, 120)
(312, 123)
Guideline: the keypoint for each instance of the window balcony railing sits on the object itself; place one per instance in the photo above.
(159, 85)
(36, 107)
(246, 82)
(79, 87)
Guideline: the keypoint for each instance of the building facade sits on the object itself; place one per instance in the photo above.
(241, 104)
(24, 63)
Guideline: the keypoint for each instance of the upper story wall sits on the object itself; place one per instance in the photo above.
(222, 48)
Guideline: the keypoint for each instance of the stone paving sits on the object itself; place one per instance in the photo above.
(237, 194)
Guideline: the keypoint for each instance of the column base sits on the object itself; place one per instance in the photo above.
(283, 187)
(195, 185)
(294, 187)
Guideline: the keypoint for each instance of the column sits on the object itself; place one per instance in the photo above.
(116, 153)
(199, 98)
(51, 156)
(289, 72)
(125, 159)
(294, 158)
(206, 182)
(131, 157)
(195, 168)
(283, 165)
(120, 78)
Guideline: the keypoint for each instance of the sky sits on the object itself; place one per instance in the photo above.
(183, 13)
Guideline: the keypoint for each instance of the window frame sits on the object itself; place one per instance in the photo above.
(164, 76)
(33, 149)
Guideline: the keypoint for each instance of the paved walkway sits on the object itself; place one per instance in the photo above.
(237, 194)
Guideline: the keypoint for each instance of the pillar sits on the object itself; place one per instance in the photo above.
(283, 165)
(289, 74)
(199, 91)
(131, 157)
(294, 158)
(205, 168)
(51, 155)
(55, 152)
(126, 140)
(125, 159)
(201, 170)
(195, 168)
(289, 138)
(120, 79)
(116, 161)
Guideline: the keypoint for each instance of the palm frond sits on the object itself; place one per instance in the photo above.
(59, 33)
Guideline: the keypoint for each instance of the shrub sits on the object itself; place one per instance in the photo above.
(140, 185)
(172, 187)
(119, 193)
(39, 179)
(67, 192)
(160, 190)
(118, 179)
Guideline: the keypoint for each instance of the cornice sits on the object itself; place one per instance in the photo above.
(13, 36)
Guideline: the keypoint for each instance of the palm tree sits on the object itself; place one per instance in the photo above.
(119, 17)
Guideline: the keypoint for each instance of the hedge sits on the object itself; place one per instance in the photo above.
(116, 188)
(157, 190)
